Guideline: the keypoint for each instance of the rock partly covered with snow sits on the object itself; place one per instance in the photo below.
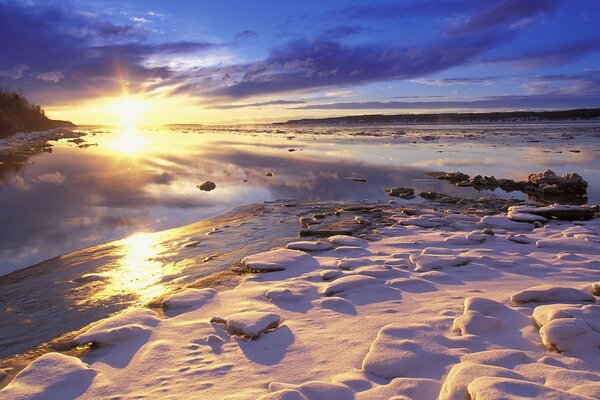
(309, 246)
(189, 298)
(249, 324)
(555, 211)
(278, 260)
(549, 293)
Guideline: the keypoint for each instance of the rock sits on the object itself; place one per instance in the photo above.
(269, 174)
(358, 180)
(121, 327)
(249, 324)
(278, 260)
(401, 192)
(548, 182)
(454, 177)
(557, 211)
(207, 186)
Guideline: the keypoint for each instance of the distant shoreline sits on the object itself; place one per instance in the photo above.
(576, 115)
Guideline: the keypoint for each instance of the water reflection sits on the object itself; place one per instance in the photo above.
(145, 179)
(137, 269)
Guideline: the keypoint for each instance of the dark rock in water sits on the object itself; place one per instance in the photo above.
(545, 184)
(269, 174)
(290, 150)
(207, 186)
(358, 180)
(401, 192)
(548, 182)
(454, 177)
(429, 138)
(442, 198)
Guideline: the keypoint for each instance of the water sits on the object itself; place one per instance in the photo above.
(134, 182)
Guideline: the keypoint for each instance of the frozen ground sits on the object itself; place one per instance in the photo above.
(434, 305)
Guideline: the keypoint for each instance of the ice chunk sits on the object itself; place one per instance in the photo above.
(525, 217)
(279, 260)
(51, 376)
(249, 324)
(306, 245)
(549, 293)
(120, 327)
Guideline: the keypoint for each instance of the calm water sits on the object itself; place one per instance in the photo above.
(135, 182)
(146, 179)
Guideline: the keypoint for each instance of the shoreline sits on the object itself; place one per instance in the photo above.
(424, 223)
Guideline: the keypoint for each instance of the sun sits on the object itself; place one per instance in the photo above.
(128, 111)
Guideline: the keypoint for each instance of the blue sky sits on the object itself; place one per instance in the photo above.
(274, 59)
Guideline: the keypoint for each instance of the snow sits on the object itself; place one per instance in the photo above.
(309, 246)
(436, 308)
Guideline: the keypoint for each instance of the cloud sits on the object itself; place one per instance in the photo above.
(83, 51)
(320, 63)
(405, 9)
(51, 76)
(542, 101)
(553, 56)
(455, 81)
(245, 35)
(511, 13)
(344, 31)
(258, 104)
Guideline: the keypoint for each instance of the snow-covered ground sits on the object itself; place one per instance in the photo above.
(436, 305)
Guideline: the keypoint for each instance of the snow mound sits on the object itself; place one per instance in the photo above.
(351, 251)
(278, 260)
(249, 324)
(345, 240)
(410, 350)
(549, 293)
(506, 358)
(51, 376)
(403, 388)
(477, 317)
(285, 394)
(548, 312)
(337, 304)
(306, 245)
(493, 388)
(462, 374)
(353, 263)
(570, 335)
(331, 274)
(426, 262)
(313, 390)
(121, 327)
(189, 298)
(349, 283)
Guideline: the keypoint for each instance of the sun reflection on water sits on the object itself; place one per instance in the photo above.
(129, 141)
(138, 271)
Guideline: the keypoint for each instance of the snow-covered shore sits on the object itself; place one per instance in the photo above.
(437, 304)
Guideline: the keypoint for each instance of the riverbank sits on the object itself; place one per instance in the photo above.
(431, 301)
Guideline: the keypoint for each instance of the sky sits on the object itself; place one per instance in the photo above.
(234, 61)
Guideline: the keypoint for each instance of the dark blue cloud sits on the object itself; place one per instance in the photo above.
(406, 9)
(309, 64)
(504, 14)
(258, 104)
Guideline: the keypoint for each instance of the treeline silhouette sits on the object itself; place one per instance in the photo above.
(514, 116)
(17, 114)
